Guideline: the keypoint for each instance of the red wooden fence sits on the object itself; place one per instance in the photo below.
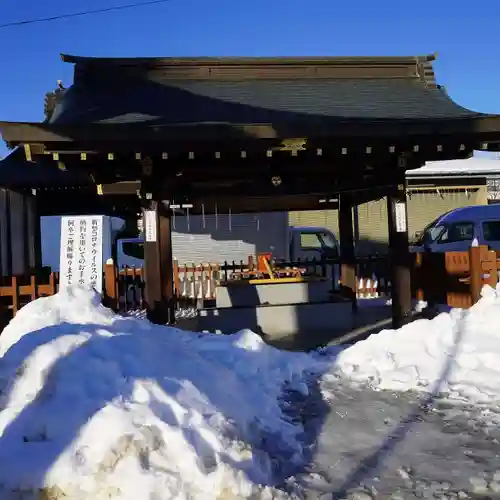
(454, 278)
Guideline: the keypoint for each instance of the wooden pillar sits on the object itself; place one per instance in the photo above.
(27, 235)
(476, 271)
(34, 231)
(399, 255)
(37, 235)
(348, 260)
(8, 234)
(111, 296)
(166, 262)
(3, 233)
(355, 211)
(158, 266)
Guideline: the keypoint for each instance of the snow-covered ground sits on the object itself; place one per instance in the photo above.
(94, 405)
(455, 353)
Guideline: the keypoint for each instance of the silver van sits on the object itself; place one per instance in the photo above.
(457, 229)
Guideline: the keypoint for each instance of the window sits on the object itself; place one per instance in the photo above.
(134, 249)
(430, 232)
(435, 232)
(328, 240)
(457, 231)
(491, 230)
(310, 240)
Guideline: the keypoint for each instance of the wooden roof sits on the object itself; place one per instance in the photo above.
(253, 90)
(172, 100)
(259, 66)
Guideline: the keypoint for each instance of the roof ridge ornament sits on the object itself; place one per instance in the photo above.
(425, 73)
(52, 99)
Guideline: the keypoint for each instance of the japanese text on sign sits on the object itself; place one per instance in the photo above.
(400, 216)
(81, 251)
(150, 225)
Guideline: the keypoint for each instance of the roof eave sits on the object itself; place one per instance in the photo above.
(17, 173)
(252, 61)
(446, 175)
(484, 127)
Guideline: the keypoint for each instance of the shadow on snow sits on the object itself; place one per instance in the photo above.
(104, 379)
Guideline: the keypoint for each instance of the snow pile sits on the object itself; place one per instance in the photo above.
(94, 405)
(455, 353)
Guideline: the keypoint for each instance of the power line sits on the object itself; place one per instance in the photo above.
(83, 13)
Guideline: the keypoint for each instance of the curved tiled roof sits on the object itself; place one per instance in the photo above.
(253, 90)
(212, 99)
(259, 101)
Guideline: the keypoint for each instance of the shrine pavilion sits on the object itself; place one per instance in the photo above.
(242, 135)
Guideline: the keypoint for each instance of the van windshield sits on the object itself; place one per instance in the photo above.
(435, 232)
(432, 231)
(328, 240)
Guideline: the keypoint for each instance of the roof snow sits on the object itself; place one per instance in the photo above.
(475, 166)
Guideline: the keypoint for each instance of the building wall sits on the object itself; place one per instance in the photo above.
(424, 205)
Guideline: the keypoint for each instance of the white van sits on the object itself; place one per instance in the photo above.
(292, 244)
(457, 229)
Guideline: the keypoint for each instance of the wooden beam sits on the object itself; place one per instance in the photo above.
(479, 129)
(119, 188)
(81, 202)
(114, 197)
(257, 205)
(242, 69)
(444, 186)
(246, 201)
(334, 153)
(253, 183)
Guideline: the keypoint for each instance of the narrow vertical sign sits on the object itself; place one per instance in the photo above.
(150, 225)
(81, 252)
(400, 216)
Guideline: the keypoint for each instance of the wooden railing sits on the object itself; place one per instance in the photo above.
(195, 284)
(454, 278)
(17, 291)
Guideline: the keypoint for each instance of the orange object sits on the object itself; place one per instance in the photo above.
(263, 261)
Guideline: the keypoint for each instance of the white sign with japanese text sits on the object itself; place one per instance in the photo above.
(81, 251)
(150, 225)
(400, 215)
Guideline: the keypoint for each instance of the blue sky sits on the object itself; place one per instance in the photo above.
(464, 34)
